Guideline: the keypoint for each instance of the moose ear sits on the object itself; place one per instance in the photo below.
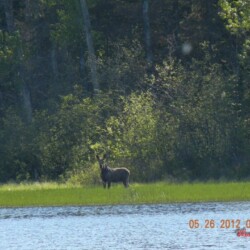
(97, 157)
(105, 156)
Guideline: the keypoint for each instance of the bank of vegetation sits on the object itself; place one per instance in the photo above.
(161, 86)
(52, 194)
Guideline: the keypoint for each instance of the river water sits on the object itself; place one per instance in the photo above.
(168, 226)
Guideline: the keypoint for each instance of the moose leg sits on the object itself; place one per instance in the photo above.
(126, 184)
(109, 184)
(104, 184)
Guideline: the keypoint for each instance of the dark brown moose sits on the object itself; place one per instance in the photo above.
(109, 175)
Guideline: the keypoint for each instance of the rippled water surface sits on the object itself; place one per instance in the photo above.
(125, 227)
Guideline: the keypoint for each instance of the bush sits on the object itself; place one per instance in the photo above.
(131, 137)
(87, 177)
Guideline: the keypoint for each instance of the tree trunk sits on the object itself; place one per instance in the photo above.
(8, 9)
(54, 63)
(25, 93)
(91, 51)
(147, 33)
(26, 100)
(28, 11)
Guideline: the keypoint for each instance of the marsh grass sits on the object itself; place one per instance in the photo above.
(54, 194)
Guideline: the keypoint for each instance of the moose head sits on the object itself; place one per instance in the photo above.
(102, 161)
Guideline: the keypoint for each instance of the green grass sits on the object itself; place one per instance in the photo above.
(53, 194)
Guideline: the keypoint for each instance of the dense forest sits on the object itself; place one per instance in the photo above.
(161, 86)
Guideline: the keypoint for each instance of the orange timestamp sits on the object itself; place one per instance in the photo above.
(223, 224)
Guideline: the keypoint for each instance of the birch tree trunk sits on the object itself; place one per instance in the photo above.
(147, 33)
(90, 45)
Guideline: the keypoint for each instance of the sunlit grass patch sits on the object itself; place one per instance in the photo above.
(54, 194)
(34, 186)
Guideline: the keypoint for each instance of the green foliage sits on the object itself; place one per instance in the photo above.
(132, 135)
(87, 177)
(9, 59)
(122, 71)
(68, 29)
(184, 117)
(18, 151)
(236, 13)
(203, 112)
(68, 135)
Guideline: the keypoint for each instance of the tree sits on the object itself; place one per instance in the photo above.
(25, 92)
(147, 32)
(8, 9)
(89, 40)
(235, 14)
(187, 118)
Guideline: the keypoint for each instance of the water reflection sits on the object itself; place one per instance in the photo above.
(163, 226)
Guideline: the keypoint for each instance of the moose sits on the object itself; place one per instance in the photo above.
(109, 175)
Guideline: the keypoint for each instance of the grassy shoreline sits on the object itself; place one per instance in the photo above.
(53, 194)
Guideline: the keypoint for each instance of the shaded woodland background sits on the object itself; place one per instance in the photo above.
(162, 86)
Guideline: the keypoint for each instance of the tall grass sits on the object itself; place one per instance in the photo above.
(53, 194)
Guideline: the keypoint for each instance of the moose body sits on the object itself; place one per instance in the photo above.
(109, 175)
